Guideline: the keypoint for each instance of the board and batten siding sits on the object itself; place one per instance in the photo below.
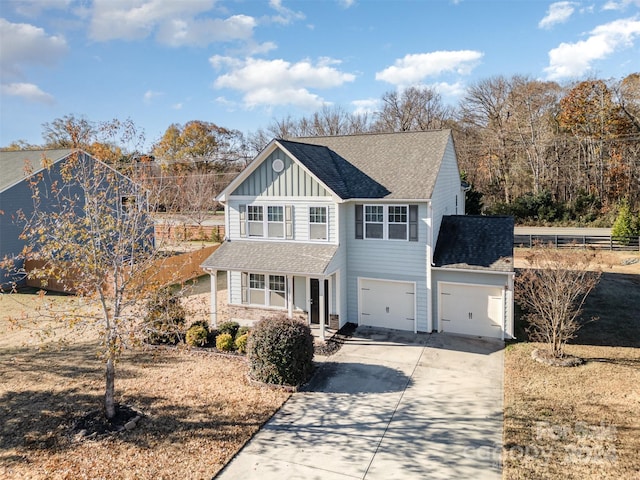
(292, 181)
(387, 260)
(446, 190)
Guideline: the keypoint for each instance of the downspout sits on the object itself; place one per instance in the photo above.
(429, 264)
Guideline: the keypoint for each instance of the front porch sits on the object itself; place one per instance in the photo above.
(270, 278)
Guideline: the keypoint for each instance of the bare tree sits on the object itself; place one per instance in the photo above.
(552, 291)
(415, 108)
(91, 233)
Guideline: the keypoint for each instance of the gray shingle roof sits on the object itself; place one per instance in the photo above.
(335, 172)
(272, 257)
(12, 163)
(401, 165)
(475, 242)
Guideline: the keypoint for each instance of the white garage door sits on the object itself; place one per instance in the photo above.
(387, 304)
(471, 310)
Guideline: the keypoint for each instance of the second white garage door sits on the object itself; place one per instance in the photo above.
(387, 304)
(470, 309)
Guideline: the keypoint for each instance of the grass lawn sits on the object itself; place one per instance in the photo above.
(200, 409)
(580, 422)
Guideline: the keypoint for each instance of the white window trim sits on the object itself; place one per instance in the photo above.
(326, 223)
(267, 291)
(265, 221)
(385, 222)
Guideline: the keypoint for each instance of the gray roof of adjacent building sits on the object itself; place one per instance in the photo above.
(14, 162)
(475, 242)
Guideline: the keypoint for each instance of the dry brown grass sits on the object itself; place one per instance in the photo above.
(200, 408)
(581, 422)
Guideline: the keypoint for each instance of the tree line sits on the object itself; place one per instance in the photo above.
(538, 150)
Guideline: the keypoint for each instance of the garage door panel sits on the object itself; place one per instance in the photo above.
(471, 309)
(387, 304)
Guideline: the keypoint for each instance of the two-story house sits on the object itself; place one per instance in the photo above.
(368, 229)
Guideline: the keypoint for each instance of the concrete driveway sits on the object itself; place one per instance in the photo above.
(388, 405)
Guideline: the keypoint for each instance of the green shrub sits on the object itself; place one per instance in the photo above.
(229, 327)
(224, 342)
(165, 319)
(197, 336)
(241, 342)
(242, 330)
(280, 351)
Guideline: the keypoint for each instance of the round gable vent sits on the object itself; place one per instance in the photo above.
(277, 165)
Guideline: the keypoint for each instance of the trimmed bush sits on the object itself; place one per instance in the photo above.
(229, 327)
(224, 342)
(241, 342)
(196, 336)
(165, 318)
(280, 351)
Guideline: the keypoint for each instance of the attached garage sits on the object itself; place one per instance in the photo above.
(387, 304)
(471, 309)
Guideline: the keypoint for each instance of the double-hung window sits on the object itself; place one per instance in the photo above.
(387, 222)
(397, 220)
(374, 221)
(264, 290)
(317, 223)
(275, 221)
(255, 221)
(256, 289)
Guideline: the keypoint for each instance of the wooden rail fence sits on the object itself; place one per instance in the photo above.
(603, 242)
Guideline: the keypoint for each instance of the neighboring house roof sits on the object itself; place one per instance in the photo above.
(13, 162)
(475, 242)
(401, 165)
(272, 257)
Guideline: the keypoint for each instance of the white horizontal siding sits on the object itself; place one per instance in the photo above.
(446, 189)
(300, 216)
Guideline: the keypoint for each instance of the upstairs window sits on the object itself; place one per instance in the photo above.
(255, 220)
(374, 221)
(387, 222)
(318, 223)
(275, 221)
(397, 215)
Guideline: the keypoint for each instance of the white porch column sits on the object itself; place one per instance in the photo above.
(321, 312)
(213, 320)
(338, 298)
(290, 296)
(308, 287)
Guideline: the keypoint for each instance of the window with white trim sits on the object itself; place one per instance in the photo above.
(264, 290)
(318, 223)
(387, 222)
(255, 221)
(275, 221)
(256, 289)
(398, 222)
(374, 221)
(277, 291)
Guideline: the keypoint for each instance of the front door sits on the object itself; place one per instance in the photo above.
(315, 301)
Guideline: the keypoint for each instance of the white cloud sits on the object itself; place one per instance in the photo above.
(450, 90)
(414, 68)
(174, 23)
(347, 3)
(278, 82)
(570, 60)
(284, 15)
(149, 95)
(32, 8)
(620, 4)
(28, 91)
(24, 44)
(366, 106)
(177, 106)
(558, 12)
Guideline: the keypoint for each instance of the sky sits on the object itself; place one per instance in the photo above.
(242, 64)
